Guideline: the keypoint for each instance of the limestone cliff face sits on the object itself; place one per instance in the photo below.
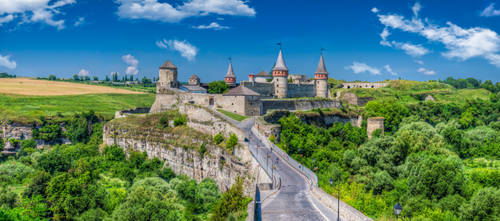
(216, 163)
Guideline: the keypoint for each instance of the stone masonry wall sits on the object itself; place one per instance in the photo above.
(265, 89)
(291, 104)
(301, 90)
(373, 124)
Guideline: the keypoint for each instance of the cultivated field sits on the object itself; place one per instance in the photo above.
(27, 86)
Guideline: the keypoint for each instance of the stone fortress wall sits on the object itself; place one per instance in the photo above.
(373, 124)
(363, 85)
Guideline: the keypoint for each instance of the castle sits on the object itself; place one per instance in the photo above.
(252, 97)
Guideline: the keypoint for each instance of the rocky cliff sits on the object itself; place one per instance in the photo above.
(184, 150)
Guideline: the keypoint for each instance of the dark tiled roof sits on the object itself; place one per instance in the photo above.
(168, 65)
(263, 74)
(321, 66)
(193, 87)
(241, 91)
(194, 76)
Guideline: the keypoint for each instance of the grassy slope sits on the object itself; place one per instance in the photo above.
(232, 115)
(414, 91)
(27, 109)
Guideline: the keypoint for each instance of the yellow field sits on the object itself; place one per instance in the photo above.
(28, 86)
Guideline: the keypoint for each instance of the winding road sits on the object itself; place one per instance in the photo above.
(293, 201)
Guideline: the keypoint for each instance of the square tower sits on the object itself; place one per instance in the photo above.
(168, 76)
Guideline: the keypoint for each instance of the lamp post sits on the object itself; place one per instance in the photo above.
(338, 200)
(397, 209)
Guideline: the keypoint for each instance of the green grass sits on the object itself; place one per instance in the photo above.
(29, 109)
(415, 91)
(232, 115)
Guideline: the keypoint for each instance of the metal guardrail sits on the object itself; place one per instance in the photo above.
(299, 167)
(263, 158)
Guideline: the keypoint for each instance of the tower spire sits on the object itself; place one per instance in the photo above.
(280, 62)
(230, 78)
(321, 65)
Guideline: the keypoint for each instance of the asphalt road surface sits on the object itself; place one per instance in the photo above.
(294, 200)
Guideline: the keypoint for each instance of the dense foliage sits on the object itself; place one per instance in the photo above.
(77, 182)
(217, 87)
(432, 160)
(461, 83)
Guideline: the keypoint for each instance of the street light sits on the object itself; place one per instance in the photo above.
(338, 200)
(397, 209)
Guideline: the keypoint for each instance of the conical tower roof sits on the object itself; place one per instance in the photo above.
(230, 72)
(321, 67)
(168, 65)
(280, 63)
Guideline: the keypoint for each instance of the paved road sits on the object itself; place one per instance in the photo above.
(293, 201)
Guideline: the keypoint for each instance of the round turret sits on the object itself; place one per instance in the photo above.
(280, 75)
(230, 78)
(321, 79)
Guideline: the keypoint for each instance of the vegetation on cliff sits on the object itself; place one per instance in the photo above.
(440, 160)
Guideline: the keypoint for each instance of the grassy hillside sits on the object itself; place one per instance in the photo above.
(27, 109)
(415, 91)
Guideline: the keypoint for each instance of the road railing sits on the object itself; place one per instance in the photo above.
(311, 176)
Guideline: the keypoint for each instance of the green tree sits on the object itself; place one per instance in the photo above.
(434, 176)
(484, 205)
(218, 138)
(217, 87)
(232, 141)
(232, 201)
(52, 77)
(392, 111)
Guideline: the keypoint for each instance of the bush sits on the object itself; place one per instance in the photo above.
(231, 201)
(218, 139)
(484, 205)
(163, 122)
(217, 87)
(232, 141)
(182, 120)
(381, 181)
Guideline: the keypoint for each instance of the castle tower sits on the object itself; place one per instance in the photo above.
(251, 78)
(321, 79)
(230, 77)
(280, 75)
(168, 75)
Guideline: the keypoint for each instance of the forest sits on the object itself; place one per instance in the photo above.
(89, 181)
(439, 160)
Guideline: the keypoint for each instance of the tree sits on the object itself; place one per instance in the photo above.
(181, 120)
(218, 138)
(434, 176)
(217, 87)
(96, 78)
(484, 205)
(76, 78)
(231, 202)
(392, 111)
(107, 78)
(114, 76)
(52, 77)
(232, 141)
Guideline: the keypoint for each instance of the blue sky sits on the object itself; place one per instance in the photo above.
(363, 39)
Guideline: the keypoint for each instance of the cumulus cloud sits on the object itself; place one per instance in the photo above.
(490, 11)
(213, 25)
(83, 73)
(79, 21)
(187, 50)
(389, 69)
(461, 43)
(358, 67)
(419, 62)
(426, 71)
(416, 9)
(375, 10)
(33, 11)
(165, 12)
(6, 62)
(411, 49)
(132, 64)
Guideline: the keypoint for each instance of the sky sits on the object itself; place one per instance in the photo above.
(362, 39)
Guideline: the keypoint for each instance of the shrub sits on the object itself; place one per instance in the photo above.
(163, 122)
(484, 205)
(232, 141)
(231, 201)
(182, 120)
(218, 139)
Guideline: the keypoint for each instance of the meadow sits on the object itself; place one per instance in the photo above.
(24, 100)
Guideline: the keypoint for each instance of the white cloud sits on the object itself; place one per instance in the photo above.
(5, 61)
(419, 62)
(83, 73)
(411, 49)
(389, 69)
(490, 11)
(213, 25)
(460, 43)
(187, 50)
(426, 71)
(79, 21)
(6, 19)
(416, 8)
(375, 10)
(384, 34)
(358, 67)
(132, 64)
(33, 11)
(165, 12)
